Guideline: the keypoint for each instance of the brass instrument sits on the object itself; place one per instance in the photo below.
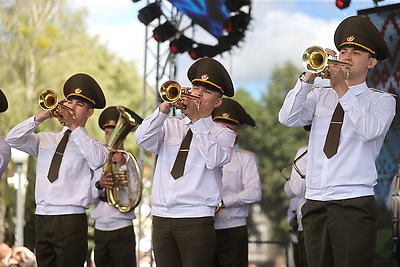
(172, 92)
(395, 217)
(120, 195)
(48, 100)
(315, 60)
(291, 165)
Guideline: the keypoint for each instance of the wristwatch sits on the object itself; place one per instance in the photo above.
(98, 186)
(303, 78)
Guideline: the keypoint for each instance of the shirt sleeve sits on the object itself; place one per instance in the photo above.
(370, 121)
(299, 105)
(252, 190)
(215, 142)
(22, 137)
(5, 156)
(149, 133)
(94, 151)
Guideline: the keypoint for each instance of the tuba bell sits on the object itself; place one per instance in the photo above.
(315, 60)
(120, 194)
(172, 92)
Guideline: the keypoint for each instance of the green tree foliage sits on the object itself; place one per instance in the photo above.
(274, 144)
(44, 43)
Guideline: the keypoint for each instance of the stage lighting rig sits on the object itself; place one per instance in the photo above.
(235, 5)
(342, 4)
(237, 23)
(164, 32)
(149, 13)
(180, 45)
(202, 50)
(224, 20)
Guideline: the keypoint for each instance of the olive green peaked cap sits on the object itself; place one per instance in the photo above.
(232, 112)
(109, 117)
(3, 102)
(212, 74)
(359, 31)
(84, 86)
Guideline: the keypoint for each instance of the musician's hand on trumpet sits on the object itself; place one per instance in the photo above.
(192, 108)
(316, 60)
(48, 101)
(338, 73)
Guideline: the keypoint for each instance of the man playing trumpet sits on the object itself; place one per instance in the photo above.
(188, 177)
(65, 166)
(349, 124)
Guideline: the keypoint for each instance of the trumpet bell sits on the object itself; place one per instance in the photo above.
(315, 59)
(170, 91)
(48, 100)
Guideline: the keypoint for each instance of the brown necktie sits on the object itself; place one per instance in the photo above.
(56, 161)
(179, 165)
(332, 138)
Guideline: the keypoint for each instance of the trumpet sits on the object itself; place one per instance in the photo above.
(48, 100)
(315, 60)
(172, 92)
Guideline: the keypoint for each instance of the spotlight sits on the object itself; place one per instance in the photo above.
(231, 39)
(149, 13)
(237, 23)
(235, 5)
(180, 45)
(164, 32)
(202, 50)
(341, 4)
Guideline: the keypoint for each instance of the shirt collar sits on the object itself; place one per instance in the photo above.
(359, 88)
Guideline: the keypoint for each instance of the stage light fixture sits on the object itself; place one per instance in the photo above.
(237, 23)
(149, 13)
(164, 32)
(235, 5)
(180, 45)
(202, 50)
(341, 4)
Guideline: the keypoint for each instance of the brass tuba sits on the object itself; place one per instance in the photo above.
(315, 60)
(120, 195)
(396, 211)
(172, 92)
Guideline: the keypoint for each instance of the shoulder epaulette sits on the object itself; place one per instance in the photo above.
(381, 91)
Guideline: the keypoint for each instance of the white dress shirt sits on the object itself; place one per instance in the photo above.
(368, 115)
(295, 187)
(71, 192)
(107, 217)
(198, 191)
(241, 187)
(5, 156)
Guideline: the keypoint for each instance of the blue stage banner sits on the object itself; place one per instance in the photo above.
(209, 14)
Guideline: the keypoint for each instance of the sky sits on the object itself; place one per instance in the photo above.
(280, 30)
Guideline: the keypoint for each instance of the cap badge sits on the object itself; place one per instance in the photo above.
(112, 122)
(225, 115)
(204, 77)
(350, 38)
(78, 90)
